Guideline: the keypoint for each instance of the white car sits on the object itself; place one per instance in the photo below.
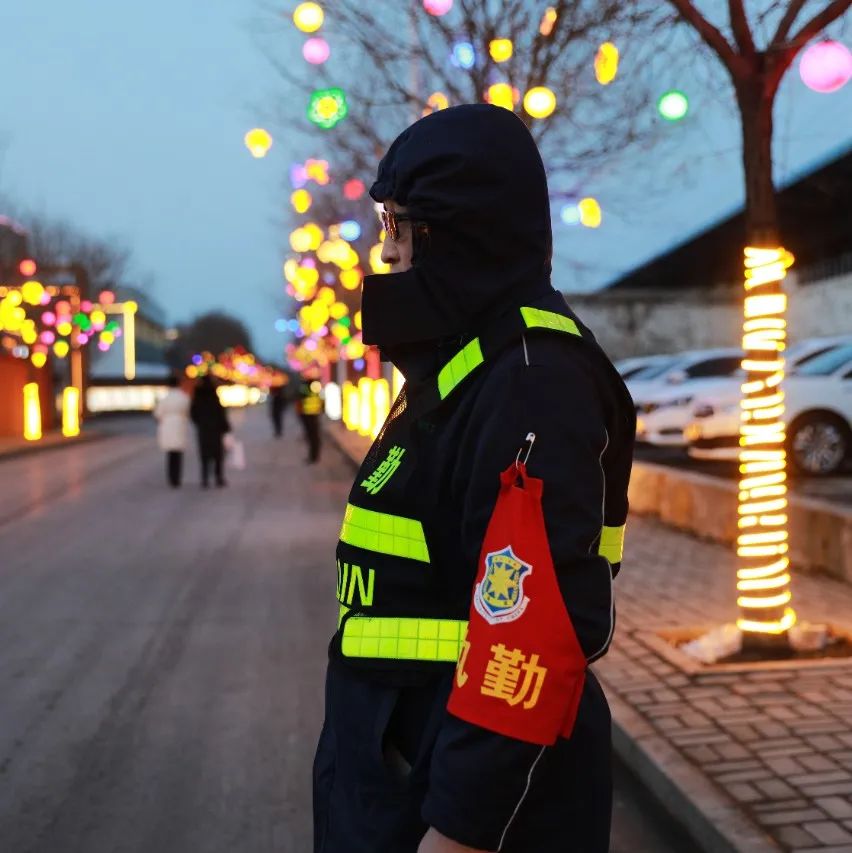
(695, 364)
(629, 367)
(817, 414)
(664, 395)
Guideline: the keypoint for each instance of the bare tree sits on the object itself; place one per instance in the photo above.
(756, 72)
(399, 55)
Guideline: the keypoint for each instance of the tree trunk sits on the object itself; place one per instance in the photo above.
(756, 103)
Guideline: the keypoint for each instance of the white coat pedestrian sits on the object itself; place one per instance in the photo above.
(172, 414)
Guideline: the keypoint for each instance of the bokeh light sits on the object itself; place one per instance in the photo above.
(464, 55)
(606, 63)
(437, 7)
(501, 49)
(258, 141)
(540, 102)
(308, 17)
(316, 51)
(327, 107)
(673, 105)
(826, 66)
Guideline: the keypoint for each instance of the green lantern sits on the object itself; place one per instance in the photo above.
(673, 105)
(328, 107)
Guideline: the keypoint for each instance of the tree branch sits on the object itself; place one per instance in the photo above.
(711, 36)
(740, 26)
(817, 24)
(786, 23)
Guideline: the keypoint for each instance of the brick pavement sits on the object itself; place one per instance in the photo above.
(761, 759)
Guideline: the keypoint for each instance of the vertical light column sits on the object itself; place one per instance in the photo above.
(763, 579)
(129, 310)
(365, 419)
(70, 412)
(351, 406)
(398, 382)
(32, 412)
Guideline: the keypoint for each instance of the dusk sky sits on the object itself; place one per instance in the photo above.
(128, 119)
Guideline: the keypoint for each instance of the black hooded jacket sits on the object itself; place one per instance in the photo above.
(474, 175)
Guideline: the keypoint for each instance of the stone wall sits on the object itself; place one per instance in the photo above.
(644, 322)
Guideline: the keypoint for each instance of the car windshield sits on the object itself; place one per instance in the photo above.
(629, 372)
(827, 363)
(654, 370)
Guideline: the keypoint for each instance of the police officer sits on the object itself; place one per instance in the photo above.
(309, 408)
(456, 718)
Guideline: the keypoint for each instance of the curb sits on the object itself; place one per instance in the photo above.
(45, 446)
(712, 820)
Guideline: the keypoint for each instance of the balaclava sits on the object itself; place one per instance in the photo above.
(474, 174)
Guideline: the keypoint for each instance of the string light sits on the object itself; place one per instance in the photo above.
(826, 66)
(328, 107)
(606, 63)
(501, 50)
(464, 55)
(590, 212)
(308, 17)
(762, 547)
(540, 102)
(437, 7)
(501, 95)
(316, 51)
(673, 105)
(548, 21)
(435, 102)
(258, 141)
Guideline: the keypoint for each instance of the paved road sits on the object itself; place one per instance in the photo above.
(162, 652)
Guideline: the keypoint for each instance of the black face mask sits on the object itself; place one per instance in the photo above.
(474, 175)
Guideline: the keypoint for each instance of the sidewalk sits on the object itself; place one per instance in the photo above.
(748, 759)
(11, 446)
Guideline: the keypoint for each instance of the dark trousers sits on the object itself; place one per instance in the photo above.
(174, 467)
(278, 422)
(311, 424)
(214, 460)
(364, 802)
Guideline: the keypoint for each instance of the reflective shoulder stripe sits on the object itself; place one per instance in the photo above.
(402, 638)
(384, 533)
(612, 543)
(536, 318)
(458, 367)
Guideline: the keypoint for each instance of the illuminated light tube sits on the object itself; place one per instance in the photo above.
(763, 365)
(778, 567)
(333, 401)
(381, 405)
(759, 402)
(756, 603)
(787, 621)
(366, 416)
(70, 412)
(351, 406)
(129, 311)
(32, 412)
(763, 550)
(764, 583)
(762, 507)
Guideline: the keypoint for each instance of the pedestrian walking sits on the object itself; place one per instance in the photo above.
(172, 414)
(211, 423)
(484, 528)
(309, 407)
(277, 408)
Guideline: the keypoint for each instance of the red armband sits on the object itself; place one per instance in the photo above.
(521, 670)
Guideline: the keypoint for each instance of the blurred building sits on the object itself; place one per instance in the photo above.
(691, 296)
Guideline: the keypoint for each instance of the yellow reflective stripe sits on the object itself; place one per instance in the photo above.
(384, 533)
(536, 318)
(612, 543)
(459, 366)
(403, 638)
(341, 613)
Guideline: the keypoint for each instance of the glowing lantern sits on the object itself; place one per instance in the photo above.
(328, 107)
(548, 21)
(60, 349)
(570, 214)
(590, 212)
(316, 51)
(606, 63)
(64, 328)
(338, 310)
(258, 141)
(463, 56)
(300, 240)
(540, 102)
(350, 230)
(315, 235)
(317, 171)
(501, 95)
(326, 295)
(367, 414)
(27, 267)
(47, 337)
(437, 7)
(107, 297)
(32, 291)
(301, 201)
(308, 17)
(353, 189)
(333, 401)
(32, 408)
(351, 279)
(376, 262)
(39, 359)
(673, 105)
(351, 406)
(435, 102)
(826, 66)
(70, 411)
(501, 49)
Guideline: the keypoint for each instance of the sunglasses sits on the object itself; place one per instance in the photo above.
(390, 222)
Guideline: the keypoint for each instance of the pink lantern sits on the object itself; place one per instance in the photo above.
(316, 51)
(826, 66)
(353, 189)
(47, 337)
(48, 318)
(437, 7)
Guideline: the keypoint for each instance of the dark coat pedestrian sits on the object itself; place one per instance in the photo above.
(211, 423)
(278, 408)
(309, 406)
(484, 530)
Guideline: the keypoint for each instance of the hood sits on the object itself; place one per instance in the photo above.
(474, 174)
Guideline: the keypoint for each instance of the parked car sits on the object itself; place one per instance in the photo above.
(629, 367)
(817, 415)
(664, 397)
